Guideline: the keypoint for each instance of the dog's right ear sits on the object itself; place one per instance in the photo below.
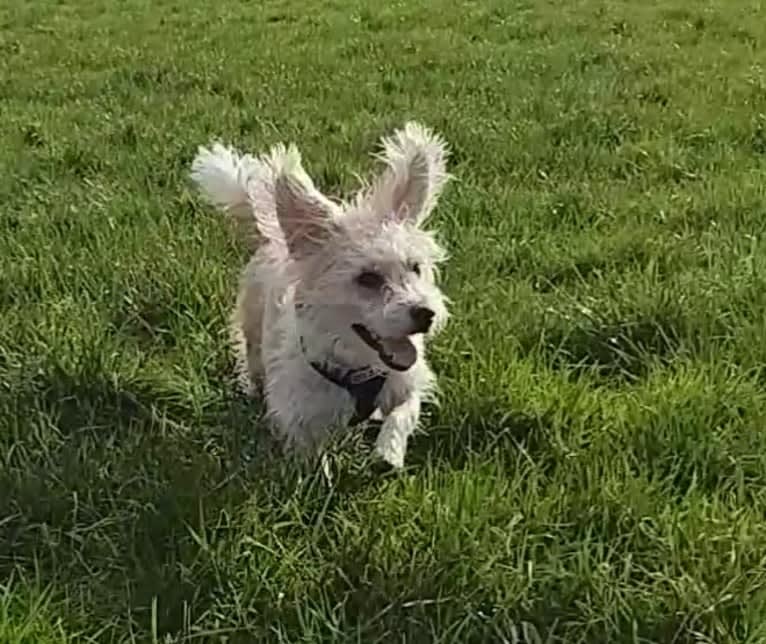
(304, 214)
(415, 174)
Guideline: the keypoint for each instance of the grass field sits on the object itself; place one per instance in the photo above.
(597, 470)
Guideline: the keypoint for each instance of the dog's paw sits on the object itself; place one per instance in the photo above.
(391, 452)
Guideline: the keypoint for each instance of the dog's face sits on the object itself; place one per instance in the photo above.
(368, 268)
(376, 278)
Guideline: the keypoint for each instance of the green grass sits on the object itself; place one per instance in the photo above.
(597, 470)
(24, 616)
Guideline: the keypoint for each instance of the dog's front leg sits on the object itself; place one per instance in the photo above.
(396, 429)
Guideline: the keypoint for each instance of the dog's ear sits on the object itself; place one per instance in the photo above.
(305, 215)
(415, 174)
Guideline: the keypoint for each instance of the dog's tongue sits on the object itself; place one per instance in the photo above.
(398, 353)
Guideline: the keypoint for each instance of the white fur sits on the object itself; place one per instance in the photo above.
(308, 251)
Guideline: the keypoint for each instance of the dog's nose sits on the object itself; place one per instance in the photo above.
(422, 317)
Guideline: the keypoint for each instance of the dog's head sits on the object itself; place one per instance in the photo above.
(367, 268)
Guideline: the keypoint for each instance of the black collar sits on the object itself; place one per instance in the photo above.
(364, 384)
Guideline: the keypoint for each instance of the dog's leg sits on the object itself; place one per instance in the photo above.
(247, 322)
(247, 361)
(396, 429)
(241, 361)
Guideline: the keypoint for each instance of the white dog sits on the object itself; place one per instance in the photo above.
(337, 298)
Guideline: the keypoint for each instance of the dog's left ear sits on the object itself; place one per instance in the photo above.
(304, 214)
(415, 174)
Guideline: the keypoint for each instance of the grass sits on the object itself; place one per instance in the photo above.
(597, 470)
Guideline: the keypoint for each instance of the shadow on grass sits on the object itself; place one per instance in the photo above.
(119, 494)
(486, 428)
(615, 351)
(112, 492)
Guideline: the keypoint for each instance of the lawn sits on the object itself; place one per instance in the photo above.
(596, 471)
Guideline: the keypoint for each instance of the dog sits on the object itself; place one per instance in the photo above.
(339, 297)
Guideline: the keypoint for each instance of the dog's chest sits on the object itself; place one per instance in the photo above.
(305, 399)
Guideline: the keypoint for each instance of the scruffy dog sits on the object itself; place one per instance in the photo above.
(336, 300)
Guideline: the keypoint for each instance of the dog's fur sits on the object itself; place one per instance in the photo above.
(308, 286)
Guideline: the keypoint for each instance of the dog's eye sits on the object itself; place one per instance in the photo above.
(415, 268)
(370, 279)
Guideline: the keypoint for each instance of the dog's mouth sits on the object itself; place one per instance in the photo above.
(397, 353)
